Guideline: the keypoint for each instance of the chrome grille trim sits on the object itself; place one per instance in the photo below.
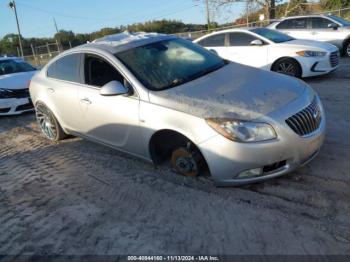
(307, 120)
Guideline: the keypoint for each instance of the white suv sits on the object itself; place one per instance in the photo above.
(327, 28)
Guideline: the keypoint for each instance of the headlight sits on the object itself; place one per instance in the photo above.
(242, 131)
(311, 53)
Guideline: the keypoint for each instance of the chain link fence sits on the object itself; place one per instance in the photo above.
(42, 54)
(344, 13)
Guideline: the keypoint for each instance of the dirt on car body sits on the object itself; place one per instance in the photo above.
(79, 198)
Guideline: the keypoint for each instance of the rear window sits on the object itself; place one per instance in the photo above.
(66, 68)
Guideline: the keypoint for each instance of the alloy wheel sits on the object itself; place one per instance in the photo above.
(286, 68)
(46, 122)
(348, 50)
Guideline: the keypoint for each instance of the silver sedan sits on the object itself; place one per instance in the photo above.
(165, 99)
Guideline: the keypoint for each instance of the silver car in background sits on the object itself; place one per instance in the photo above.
(162, 98)
(325, 28)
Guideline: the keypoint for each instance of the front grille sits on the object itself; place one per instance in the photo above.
(334, 59)
(307, 120)
(25, 107)
(14, 93)
(5, 110)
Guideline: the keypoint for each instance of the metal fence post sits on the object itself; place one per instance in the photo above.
(58, 47)
(48, 49)
(34, 55)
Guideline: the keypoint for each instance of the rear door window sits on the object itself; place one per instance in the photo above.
(213, 41)
(66, 68)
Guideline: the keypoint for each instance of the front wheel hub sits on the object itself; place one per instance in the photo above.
(184, 163)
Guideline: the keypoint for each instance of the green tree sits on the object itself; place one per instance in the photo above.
(334, 4)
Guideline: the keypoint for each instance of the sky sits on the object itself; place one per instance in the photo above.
(84, 16)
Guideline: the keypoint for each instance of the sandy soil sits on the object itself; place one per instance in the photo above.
(76, 197)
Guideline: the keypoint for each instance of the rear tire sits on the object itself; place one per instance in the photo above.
(347, 49)
(48, 123)
(287, 66)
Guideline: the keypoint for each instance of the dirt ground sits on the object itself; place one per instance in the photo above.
(76, 197)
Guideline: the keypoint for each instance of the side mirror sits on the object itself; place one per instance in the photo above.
(213, 51)
(256, 42)
(114, 88)
(333, 25)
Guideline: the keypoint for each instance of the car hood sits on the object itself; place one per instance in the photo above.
(311, 45)
(16, 81)
(234, 91)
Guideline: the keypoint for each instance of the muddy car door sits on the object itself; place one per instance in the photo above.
(62, 88)
(111, 119)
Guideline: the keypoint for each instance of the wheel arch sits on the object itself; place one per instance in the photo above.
(345, 42)
(173, 138)
(287, 57)
(53, 111)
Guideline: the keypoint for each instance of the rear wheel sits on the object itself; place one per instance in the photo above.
(48, 123)
(347, 49)
(287, 66)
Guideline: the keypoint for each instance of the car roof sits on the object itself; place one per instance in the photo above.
(230, 30)
(124, 41)
(238, 29)
(301, 16)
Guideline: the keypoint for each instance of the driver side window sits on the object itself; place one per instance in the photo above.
(98, 71)
(319, 23)
(241, 39)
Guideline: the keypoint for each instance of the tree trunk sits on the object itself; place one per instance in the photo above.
(272, 11)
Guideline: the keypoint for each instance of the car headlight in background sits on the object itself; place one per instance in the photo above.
(242, 131)
(308, 53)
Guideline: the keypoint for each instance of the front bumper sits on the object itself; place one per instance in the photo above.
(314, 66)
(15, 106)
(227, 159)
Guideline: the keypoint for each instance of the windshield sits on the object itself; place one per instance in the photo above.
(272, 35)
(12, 66)
(169, 63)
(340, 20)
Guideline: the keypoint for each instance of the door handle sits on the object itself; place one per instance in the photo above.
(51, 90)
(314, 33)
(86, 101)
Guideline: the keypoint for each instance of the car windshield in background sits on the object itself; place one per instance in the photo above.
(272, 35)
(340, 20)
(12, 66)
(169, 63)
